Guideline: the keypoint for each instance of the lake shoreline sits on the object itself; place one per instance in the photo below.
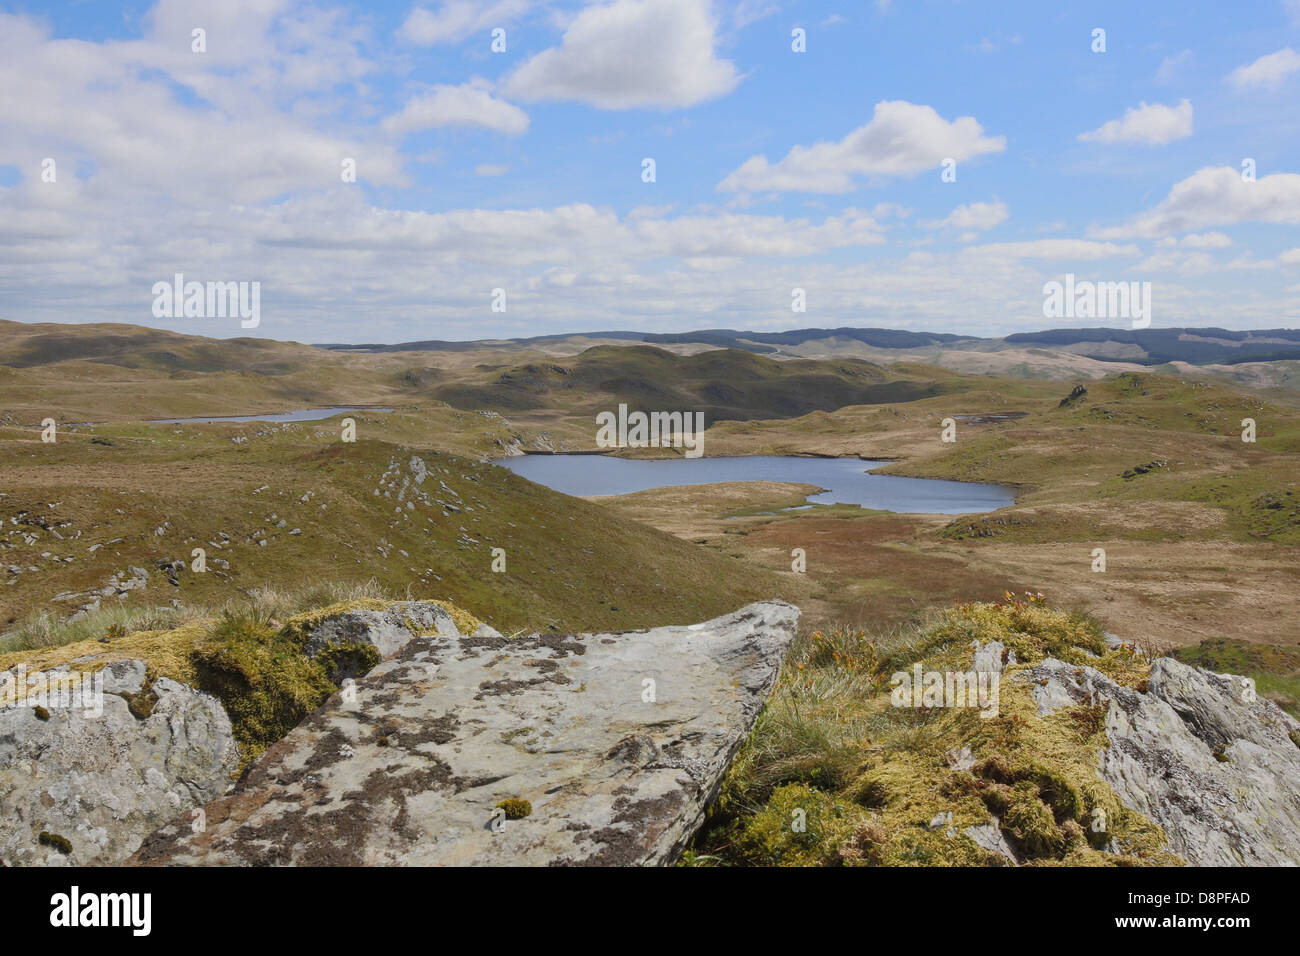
(840, 481)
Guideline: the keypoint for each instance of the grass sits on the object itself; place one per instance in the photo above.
(834, 775)
(248, 653)
(44, 629)
(570, 564)
(1275, 669)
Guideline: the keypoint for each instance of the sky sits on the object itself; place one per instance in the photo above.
(527, 168)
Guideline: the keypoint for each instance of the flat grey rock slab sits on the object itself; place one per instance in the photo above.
(616, 741)
(101, 778)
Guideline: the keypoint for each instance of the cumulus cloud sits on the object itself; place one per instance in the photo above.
(1150, 124)
(1216, 196)
(902, 139)
(116, 105)
(226, 167)
(1205, 240)
(657, 54)
(464, 105)
(978, 216)
(1267, 73)
(1076, 249)
(454, 20)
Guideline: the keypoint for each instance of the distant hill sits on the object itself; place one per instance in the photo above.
(724, 383)
(137, 347)
(1195, 346)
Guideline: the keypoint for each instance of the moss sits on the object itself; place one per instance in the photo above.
(516, 808)
(262, 679)
(299, 627)
(799, 826)
(141, 703)
(1030, 821)
(258, 672)
(41, 713)
(894, 767)
(352, 659)
(1024, 625)
(53, 840)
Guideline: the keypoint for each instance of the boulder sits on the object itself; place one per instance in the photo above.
(582, 749)
(87, 773)
(386, 629)
(1198, 753)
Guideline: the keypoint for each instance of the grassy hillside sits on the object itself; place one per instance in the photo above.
(294, 503)
(724, 384)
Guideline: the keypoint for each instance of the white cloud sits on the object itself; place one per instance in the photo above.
(751, 11)
(1205, 240)
(1216, 196)
(631, 54)
(226, 166)
(979, 216)
(491, 169)
(1152, 125)
(464, 105)
(902, 139)
(454, 20)
(241, 134)
(1169, 66)
(1267, 73)
(1079, 249)
(1177, 260)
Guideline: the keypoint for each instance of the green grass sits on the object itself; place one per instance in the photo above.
(1275, 669)
(570, 565)
(863, 780)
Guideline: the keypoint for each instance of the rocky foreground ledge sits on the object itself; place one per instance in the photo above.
(449, 743)
(481, 750)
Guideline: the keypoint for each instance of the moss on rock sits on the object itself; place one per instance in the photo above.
(901, 785)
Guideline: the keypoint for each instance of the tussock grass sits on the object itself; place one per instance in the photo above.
(46, 629)
(249, 653)
(833, 774)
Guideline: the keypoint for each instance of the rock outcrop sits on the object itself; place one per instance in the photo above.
(386, 629)
(90, 764)
(1199, 753)
(480, 750)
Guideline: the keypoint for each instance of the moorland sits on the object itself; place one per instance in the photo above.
(1109, 451)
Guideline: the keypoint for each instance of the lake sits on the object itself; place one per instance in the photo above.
(304, 415)
(845, 479)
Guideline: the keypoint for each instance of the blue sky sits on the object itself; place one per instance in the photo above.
(522, 170)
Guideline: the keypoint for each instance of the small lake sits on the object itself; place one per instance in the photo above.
(305, 415)
(845, 479)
